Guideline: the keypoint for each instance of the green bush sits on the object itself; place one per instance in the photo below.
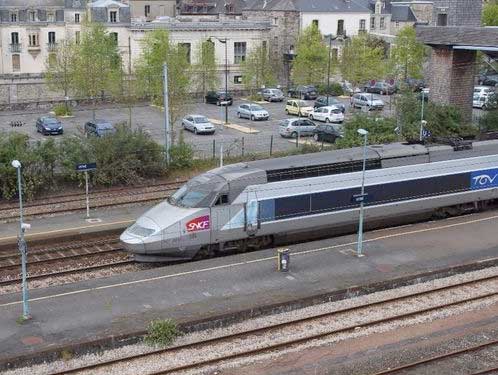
(489, 121)
(62, 110)
(161, 333)
(181, 154)
(380, 131)
(335, 89)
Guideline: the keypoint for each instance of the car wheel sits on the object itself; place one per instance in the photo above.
(238, 115)
(218, 103)
(252, 117)
(286, 111)
(195, 130)
(294, 134)
(316, 137)
(327, 120)
(311, 117)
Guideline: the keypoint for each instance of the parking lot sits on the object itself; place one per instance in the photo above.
(241, 136)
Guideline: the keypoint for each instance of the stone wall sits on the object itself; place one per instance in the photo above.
(423, 11)
(18, 92)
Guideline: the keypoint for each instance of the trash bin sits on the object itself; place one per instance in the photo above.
(283, 260)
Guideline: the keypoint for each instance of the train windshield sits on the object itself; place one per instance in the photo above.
(198, 192)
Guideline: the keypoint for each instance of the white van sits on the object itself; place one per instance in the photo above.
(484, 90)
(479, 100)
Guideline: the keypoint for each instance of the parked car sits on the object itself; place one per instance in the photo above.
(49, 125)
(306, 92)
(252, 112)
(488, 78)
(296, 126)
(327, 114)
(298, 108)
(198, 124)
(491, 102)
(272, 95)
(484, 90)
(479, 100)
(217, 97)
(328, 133)
(415, 84)
(365, 100)
(99, 128)
(322, 101)
(379, 87)
(348, 88)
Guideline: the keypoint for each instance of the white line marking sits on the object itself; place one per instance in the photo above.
(272, 258)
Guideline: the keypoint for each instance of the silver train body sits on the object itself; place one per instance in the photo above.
(255, 204)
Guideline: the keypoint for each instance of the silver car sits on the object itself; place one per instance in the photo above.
(294, 127)
(253, 112)
(198, 124)
(367, 101)
(272, 95)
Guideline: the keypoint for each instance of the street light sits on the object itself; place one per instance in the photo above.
(363, 133)
(225, 42)
(331, 38)
(23, 249)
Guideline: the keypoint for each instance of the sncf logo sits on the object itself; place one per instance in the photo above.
(199, 223)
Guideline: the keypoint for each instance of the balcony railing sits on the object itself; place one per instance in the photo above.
(52, 47)
(15, 47)
(33, 47)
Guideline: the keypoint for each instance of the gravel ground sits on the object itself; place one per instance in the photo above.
(157, 362)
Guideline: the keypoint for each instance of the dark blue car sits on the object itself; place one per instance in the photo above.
(99, 128)
(49, 125)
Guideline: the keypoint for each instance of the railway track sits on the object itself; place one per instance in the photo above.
(71, 258)
(299, 331)
(102, 198)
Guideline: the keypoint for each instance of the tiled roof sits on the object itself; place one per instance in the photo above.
(333, 6)
(174, 24)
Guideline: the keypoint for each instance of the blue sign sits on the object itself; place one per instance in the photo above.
(484, 179)
(426, 133)
(358, 198)
(86, 167)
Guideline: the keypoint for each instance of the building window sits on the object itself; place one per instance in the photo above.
(13, 17)
(50, 17)
(239, 52)
(51, 37)
(372, 23)
(76, 18)
(237, 80)
(397, 23)
(114, 38)
(113, 16)
(14, 38)
(52, 59)
(340, 27)
(147, 10)
(34, 40)
(275, 21)
(264, 45)
(382, 23)
(16, 63)
(442, 19)
(315, 23)
(186, 49)
(362, 25)
(32, 15)
(77, 37)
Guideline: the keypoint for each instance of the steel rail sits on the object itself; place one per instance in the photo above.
(260, 330)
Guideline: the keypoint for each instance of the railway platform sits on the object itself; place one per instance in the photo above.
(199, 291)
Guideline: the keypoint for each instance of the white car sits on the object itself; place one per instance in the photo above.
(484, 90)
(367, 101)
(252, 112)
(479, 100)
(198, 124)
(327, 114)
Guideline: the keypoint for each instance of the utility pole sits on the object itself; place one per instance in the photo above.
(167, 137)
(129, 81)
(226, 79)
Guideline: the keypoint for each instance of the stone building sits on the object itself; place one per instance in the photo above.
(149, 10)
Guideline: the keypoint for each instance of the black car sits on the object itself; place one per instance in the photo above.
(322, 101)
(99, 128)
(216, 97)
(415, 84)
(49, 125)
(379, 87)
(327, 133)
(307, 92)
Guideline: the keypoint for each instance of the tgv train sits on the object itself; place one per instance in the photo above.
(252, 205)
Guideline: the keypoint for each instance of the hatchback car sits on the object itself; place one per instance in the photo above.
(292, 128)
(218, 97)
(298, 108)
(49, 125)
(368, 101)
(484, 90)
(253, 112)
(327, 114)
(479, 101)
(272, 95)
(380, 87)
(328, 133)
(99, 128)
(322, 101)
(198, 124)
(306, 92)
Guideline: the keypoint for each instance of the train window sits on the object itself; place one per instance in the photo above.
(222, 199)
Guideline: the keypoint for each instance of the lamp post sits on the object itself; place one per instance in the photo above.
(225, 42)
(363, 133)
(23, 249)
(331, 38)
(422, 122)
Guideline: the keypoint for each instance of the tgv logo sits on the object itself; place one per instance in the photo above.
(199, 223)
(484, 179)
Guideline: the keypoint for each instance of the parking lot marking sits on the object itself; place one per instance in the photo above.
(240, 128)
(310, 142)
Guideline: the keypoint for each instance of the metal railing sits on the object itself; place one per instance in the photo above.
(15, 47)
(52, 47)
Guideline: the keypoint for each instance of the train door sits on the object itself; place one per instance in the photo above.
(220, 217)
(252, 214)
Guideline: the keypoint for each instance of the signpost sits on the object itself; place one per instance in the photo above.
(85, 168)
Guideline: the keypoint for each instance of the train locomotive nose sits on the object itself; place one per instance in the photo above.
(132, 243)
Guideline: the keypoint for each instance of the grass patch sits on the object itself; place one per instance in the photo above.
(161, 332)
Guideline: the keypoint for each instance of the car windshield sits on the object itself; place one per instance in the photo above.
(333, 101)
(301, 103)
(51, 121)
(336, 110)
(256, 107)
(284, 123)
(201, 120)
(276, 92)
(104, 126)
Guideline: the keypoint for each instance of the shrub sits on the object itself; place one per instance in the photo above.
(161, 333)
(335, 89)
(380, 130)
(62, 110)
(489, 121)
(181, 154)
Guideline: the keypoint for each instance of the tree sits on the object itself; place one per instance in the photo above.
(490, 14)
(361, 62)
(310, 63)
(157, 50)
(257, 70)
(205, 69)
(98, 66)
(60, 72)
(407, 54)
